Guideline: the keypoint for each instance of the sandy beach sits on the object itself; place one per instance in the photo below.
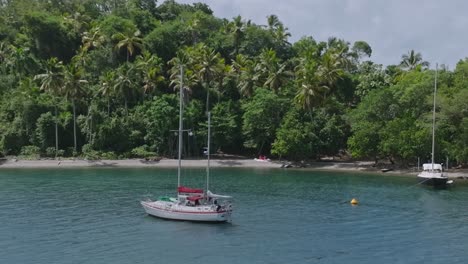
(361, 166)
(134, 163)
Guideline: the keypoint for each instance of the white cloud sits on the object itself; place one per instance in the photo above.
(435, 28)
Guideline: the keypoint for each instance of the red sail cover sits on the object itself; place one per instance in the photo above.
(183, 189)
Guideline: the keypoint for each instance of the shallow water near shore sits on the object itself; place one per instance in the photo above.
(93, 215)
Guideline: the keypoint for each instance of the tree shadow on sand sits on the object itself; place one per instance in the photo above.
(230, 163)
(97, 163)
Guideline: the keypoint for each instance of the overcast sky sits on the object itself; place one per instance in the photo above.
(435, 28)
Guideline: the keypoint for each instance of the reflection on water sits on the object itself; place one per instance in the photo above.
(281, 216)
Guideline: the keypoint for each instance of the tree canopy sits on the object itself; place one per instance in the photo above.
(98, 79)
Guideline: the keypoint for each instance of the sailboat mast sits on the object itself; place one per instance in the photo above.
(208, 153)
(434, 117)
(180, 123)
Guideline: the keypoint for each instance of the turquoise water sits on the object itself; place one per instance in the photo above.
(281, 216)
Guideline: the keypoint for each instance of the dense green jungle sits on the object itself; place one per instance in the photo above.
(100, 79)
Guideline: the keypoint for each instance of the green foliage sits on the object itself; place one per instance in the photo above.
(262, 116)
(404, 139)
(12, 140)
(89, 153)
(371, 77)
(295, 138)
(157, 118)
(51, 37)
(50, 152)
(112, 25)
(453, 126)
(256, 40)
(226, 126)
(142, 152)
(310, 135)
(30, 152)
(461, 74)
(395, 122)
(114, 66)
(114, 135)
(362, 48)
(144, 20)
(45, 131)
(166, 39)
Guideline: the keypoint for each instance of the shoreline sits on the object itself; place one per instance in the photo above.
(355, 166)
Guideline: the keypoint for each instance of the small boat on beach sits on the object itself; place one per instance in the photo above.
(262, 158)
(191, 204)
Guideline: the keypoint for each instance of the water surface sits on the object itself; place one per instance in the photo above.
(92, 215)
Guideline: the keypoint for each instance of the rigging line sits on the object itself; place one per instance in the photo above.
(419, 183)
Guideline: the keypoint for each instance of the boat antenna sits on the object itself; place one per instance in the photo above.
(434, 116)
(208, 153)
(180, 122)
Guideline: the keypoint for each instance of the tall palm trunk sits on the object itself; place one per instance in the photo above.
(126, 105)
(91, 139)
(56, 132)
(108, 106)
(74, 124)
(207, 96)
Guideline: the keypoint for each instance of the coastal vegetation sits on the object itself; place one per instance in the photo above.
(99, 79)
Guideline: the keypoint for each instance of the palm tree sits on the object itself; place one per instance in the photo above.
(193, 27)
(107, 87)
(278, 30)
(412, 60)
(271, 72)
(92, 39)
(21, 62)
(237, 28)
(73, 89)
(281, 35)
(222, 79)
(273, 22)
(208, 65)
(130, 42)
(150, 67)
(78, 21)
(5, 51)
(181, 60)
(316, 78)
(124, 83)
(52, 82)
(310, 92)
(331, 68)
(244, 69)
(247, 81)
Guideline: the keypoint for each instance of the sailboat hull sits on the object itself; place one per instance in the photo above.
(174, 211)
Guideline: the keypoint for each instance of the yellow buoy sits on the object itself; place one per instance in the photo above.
(354, 201)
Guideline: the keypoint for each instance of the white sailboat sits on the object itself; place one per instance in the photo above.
(432, 173)
(191, 204)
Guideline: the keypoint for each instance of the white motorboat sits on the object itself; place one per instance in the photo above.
(432, 174)
(191, 204)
